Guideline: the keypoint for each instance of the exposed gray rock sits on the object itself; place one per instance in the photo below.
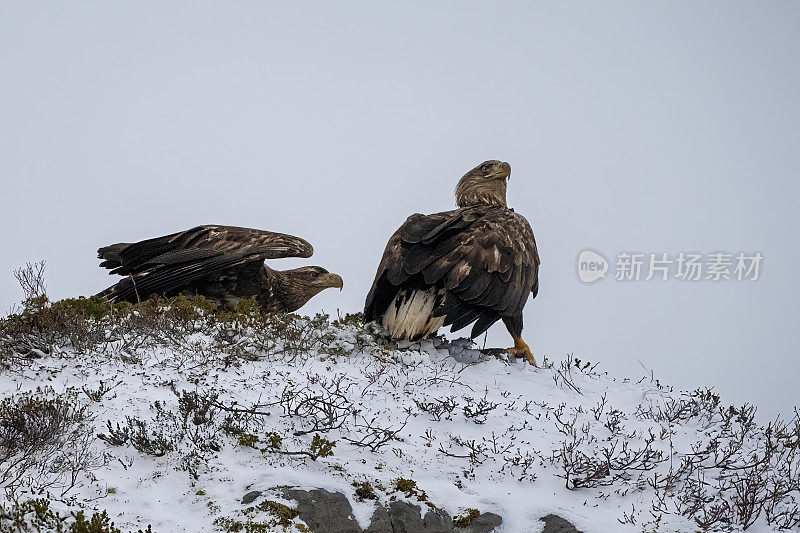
(381, 521)
(437, 521)
(556, 524)
(485, 523)
(250, 497)
(330, 512)
(405, 518)
(323, 511)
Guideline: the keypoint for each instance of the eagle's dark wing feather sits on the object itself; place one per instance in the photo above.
(172, 276)
(485, 257)
(133, 258)
(167, 263)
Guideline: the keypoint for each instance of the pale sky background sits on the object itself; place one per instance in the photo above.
(630, 126)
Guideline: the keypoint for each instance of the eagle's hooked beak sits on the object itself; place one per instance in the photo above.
(501, 171)
(329, 280)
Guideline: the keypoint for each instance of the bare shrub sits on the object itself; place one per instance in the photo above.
(45, 441)
(745, 470)
(478, 410)
(320, 405)
(372, 435)
(193, 431)
(734, 474)
(31, 280)
(617, 461)
(437, 407)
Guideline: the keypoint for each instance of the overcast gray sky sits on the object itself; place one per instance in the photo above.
(630, 126)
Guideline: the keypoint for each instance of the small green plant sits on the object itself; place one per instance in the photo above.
(187, 309)
(350, 319)
(409, 488)
(283, 513)
(93, 307)
(33, 515)
(248, 440)
(273, 441)
(466, 518)
(405, 485)
(249, 308)
(321, 447)
(247, 312)
(98, 523)
(364, 491)
(36, 515)
(280, 515)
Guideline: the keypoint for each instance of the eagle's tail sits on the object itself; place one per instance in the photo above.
(410, 314)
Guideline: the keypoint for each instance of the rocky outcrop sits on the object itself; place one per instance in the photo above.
(556, 524)
(330, 512)
(323, 511)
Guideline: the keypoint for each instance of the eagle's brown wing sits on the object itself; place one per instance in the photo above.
(484, 257)
(166, 263)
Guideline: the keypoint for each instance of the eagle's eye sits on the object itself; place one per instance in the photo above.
(486, 168)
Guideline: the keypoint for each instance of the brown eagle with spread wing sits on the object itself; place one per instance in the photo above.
(223, 263)
(474, 265)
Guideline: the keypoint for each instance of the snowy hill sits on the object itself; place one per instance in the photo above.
(167, 415)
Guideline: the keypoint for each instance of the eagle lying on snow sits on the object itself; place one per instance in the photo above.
(475, 264)
(223, 263)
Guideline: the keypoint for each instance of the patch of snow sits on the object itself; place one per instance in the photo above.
(473, 431)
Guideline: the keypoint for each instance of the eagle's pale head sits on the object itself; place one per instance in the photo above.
(484, 184)
(297, 286)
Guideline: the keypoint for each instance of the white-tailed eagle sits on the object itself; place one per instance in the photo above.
(473, 265)
(223, 263)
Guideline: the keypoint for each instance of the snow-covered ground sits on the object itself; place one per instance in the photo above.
(218, 410)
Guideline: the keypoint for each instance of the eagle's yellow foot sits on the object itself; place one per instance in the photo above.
(521, 349)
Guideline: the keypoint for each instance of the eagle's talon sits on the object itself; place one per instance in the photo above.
(520, 349)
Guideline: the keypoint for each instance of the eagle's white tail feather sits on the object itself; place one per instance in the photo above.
(409, 315)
